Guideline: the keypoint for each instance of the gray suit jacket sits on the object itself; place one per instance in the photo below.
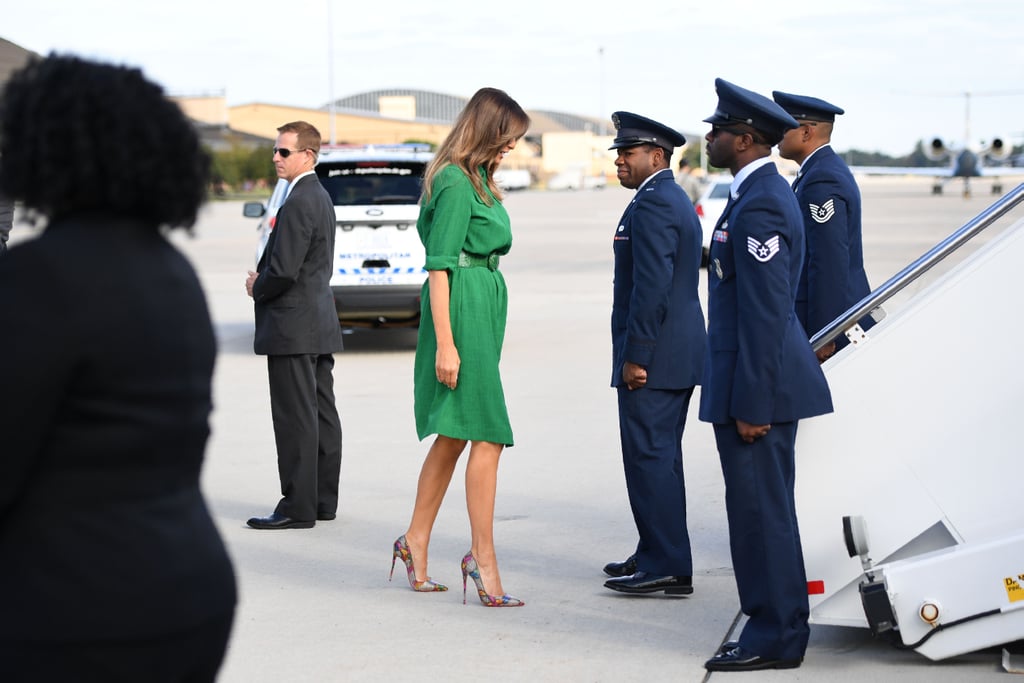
(295, 310)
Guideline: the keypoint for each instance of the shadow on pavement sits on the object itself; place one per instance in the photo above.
(379, 340)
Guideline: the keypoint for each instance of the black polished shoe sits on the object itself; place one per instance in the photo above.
(728, 645)
(324, 516)
(738, 659)
(625, 568)
(642, 582)
(279, 521)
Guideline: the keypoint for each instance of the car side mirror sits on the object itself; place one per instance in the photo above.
(253, 209)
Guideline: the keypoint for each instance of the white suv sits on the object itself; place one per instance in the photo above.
(378, 257)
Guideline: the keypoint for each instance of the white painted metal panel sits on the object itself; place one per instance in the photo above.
(926, 429)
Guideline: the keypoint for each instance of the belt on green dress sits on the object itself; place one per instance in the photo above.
(473, 261)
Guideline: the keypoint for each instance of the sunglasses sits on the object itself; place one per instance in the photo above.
(285, 152)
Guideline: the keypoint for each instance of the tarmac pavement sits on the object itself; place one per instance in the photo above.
(316, 605)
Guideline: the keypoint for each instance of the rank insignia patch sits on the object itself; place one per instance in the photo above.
(763, 252)
(823, 213)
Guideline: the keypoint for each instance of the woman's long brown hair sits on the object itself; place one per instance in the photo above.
(490, 121)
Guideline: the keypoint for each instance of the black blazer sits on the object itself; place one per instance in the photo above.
(108, 355)
(6, 221)
(295, 310)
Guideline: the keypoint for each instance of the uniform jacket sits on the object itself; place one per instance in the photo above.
(760, 367)
(295, 309)
(106, 397)
(657, 320)
(833, 277)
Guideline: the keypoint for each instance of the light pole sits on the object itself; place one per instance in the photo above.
(603, 114)
(330, 72)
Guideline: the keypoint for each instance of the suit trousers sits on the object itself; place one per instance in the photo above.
(764, 539)
(307, 431)
(651, 423)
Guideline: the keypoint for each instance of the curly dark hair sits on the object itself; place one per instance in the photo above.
(78, 136)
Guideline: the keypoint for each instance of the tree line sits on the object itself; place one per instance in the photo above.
(241, 169)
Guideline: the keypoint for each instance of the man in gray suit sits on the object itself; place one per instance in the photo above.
(297, 329)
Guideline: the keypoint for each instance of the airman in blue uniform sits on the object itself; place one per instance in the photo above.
(658, 341)
(833, 277)
(760, 378)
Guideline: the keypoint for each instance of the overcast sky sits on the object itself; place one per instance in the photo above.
(899, 67)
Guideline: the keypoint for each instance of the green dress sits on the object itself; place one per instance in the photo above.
(456, 227)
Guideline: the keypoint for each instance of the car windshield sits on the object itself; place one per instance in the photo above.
(352, 183)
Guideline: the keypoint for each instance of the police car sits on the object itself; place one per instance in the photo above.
(378, 258)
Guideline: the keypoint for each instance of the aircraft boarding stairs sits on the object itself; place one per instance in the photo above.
(910, 494)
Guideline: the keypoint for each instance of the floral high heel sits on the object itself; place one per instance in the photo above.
(402, 551)
(470, 569)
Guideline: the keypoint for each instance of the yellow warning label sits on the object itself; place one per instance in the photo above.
(1014, 591)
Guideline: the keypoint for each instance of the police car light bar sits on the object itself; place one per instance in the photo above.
(395, 147)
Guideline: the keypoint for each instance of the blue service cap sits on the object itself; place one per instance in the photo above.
(633, 129)
(805, 107)
(739, 105)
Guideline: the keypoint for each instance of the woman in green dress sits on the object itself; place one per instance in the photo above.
(458, 394)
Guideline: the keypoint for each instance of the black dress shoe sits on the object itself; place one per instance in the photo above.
(324, 516)
(728, 645)
(738, 659)
(279, 521)
(642, 582)
(625, 568)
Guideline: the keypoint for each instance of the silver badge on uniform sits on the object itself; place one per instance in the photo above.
(823, 213)
(718, 269)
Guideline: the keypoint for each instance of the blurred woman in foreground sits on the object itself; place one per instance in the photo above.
(112, 568)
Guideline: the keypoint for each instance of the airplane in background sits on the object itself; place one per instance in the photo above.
(964, 163)
(987, 161)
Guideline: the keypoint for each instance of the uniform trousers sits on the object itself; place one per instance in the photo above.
(307, 431)
(651, 423)
(764, 539)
